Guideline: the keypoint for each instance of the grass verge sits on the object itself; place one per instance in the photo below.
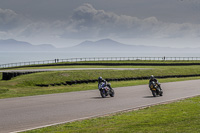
(178, 117)
(59, 77)
(25, 85)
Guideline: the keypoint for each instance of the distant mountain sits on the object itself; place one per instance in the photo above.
(111, 45)
(88, 46)
(104, 44)
(14, 45)
(101, 43)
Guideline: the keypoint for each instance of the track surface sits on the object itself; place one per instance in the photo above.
(17, 114)
(69, 69)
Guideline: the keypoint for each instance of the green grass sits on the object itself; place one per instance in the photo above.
(178, 117)
(25, 85)
(145, 62)
(63, 76)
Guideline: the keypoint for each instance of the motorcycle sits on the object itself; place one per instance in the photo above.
(156, 89)
(106, 89)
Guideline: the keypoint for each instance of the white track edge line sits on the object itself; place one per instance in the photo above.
(94, 116)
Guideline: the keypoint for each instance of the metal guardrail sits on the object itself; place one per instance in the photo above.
(99, 59)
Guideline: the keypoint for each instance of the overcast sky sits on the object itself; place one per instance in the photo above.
(174, 23)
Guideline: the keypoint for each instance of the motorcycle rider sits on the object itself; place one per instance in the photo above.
(105, 88)
(152, 78)
(101, 82)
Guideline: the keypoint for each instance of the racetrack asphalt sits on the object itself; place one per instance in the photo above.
(24, 113)
(70, 69)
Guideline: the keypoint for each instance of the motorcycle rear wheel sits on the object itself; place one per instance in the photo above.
(161, 93)
(112, 93)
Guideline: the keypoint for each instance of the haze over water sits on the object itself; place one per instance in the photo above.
(13, 57)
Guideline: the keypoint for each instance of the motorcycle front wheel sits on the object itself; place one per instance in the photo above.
(154, 93)
(103, 93)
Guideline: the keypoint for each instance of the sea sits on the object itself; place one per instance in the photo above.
(14, 57)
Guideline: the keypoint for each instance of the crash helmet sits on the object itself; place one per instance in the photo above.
(100, 79)
(151, 77)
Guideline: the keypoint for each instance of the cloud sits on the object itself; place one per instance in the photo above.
(13, 25)
(88, 22)
(9, 19)
(41, 29)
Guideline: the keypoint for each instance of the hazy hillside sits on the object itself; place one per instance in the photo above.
(14, 45)
(110, 45)
(98, 46)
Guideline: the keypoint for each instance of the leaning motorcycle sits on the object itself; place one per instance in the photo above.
(156, 89)
(106, 90)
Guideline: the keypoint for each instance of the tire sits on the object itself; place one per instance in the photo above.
(103, 94)
(154, 93)
(112, 93)
(161, 93)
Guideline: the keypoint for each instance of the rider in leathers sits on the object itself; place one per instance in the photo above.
(101, 82)
(152, 78)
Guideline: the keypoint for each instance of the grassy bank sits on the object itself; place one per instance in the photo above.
(63, 76)
(180, 117)
(25, 85)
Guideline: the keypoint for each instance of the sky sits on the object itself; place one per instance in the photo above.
(65, 23)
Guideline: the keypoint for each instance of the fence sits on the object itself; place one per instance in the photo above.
(99, 59)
